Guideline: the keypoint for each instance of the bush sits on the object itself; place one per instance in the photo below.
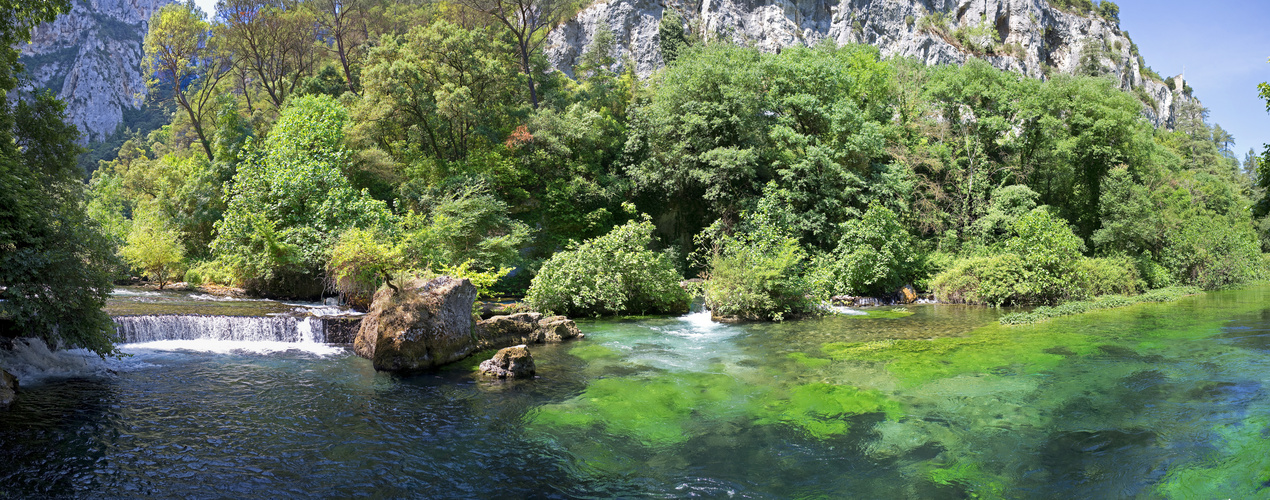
(1109, 275)
(875, 256)
(758, 280)
(1038, 267)
(613, 274)
(996, 280)
(1105, 302)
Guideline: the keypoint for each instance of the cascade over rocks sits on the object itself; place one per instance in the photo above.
(428, 324)
(9, 388)
(509, 362)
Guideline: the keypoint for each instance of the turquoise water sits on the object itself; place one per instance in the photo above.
(1149, 401)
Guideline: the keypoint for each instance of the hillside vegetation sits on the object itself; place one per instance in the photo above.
(409, 139)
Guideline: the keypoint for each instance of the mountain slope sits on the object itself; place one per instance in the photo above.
(1032, 37)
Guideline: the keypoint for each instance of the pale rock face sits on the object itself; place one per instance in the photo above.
(91, 58)
(1036, 33)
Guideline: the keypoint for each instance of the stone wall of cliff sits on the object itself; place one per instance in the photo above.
(91, 58)
(1031, 36)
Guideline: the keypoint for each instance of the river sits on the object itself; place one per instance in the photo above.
(936, 401)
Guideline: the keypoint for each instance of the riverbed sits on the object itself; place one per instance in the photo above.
(928, 401)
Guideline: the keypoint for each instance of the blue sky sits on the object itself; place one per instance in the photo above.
(1223, 46)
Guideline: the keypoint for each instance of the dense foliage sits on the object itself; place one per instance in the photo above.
(431, 138)
(612, 274)
(54, 260)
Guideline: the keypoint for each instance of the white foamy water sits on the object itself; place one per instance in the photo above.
(33, 363)
(691, 342)
(231, 347)
(124, 292)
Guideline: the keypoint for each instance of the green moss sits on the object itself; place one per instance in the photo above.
(970, 477)
(591, 352)
(808, 361)
(655, 411)
(821, 409)
(1241, 469)
(886, 314)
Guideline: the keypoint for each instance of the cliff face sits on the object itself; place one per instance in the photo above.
(91, 58)
(1027, 36)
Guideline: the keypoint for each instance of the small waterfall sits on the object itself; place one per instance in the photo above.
(280, 328)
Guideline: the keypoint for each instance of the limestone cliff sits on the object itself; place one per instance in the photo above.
(1028, 36)
(90, 58)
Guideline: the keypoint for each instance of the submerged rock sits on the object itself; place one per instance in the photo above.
(424, 325)
(510, 362)
(8, 389)
(525, 328)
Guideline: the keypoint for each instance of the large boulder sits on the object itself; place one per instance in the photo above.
(509, 362)
(525, 328)
(423, 325)
(8, 389)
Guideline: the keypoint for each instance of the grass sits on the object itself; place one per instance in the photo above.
(1044, 313)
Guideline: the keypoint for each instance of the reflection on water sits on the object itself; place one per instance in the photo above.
(1156, 400)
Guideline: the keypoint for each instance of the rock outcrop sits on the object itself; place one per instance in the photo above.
(8, 389)
(509, 362)
(424, 325)
(427, 324)
(1035, 38)
(525, 328)
(91, 58)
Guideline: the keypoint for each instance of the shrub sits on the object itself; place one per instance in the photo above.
(1109, 275)
(996, 280)
(612, 274)
(875, 256)
(756, 279)
(1039, 266)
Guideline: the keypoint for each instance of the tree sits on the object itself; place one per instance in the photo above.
(54, 261)
(670, 35)
(529, 22)
(180, 53)
(275, 40)
(154, 247)
(436, 92)
(290, 202)
(344, 24)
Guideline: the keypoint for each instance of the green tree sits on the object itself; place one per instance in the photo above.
(529, 22)
(436, 93)
(875, 256)
(289, 202)
(54, 261)
(181, 54)
(154, 247)
(671, 39)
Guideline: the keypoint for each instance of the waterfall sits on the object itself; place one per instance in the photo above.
(280, 328)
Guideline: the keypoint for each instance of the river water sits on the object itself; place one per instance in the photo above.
(1153, 400)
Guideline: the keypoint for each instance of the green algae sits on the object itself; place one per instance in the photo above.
(970, 477)
(884, 314)
(659, 410)
(1240, 469)
(821, 409)
(808, 361)
(988, 349)
(591, 351)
